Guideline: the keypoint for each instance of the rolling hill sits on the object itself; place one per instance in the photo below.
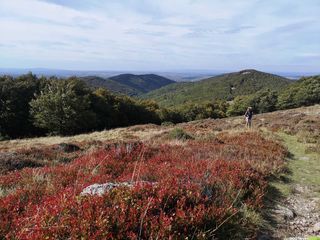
(113, 86)
(225, 86)
(129, 84)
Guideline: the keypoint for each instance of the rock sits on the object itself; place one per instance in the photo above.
(68, 147)
(316, 228)
(285, 212)
(100, 189)
(304, 158)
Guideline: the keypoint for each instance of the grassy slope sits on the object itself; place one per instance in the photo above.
(303, 166)
(224, 86)
(290, 120)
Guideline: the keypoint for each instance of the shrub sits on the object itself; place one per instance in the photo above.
(166, 124)
(203, 190)
(179, 134)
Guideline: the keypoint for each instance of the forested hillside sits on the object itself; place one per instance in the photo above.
(225, 87)
(129, 84)
(113, 86)
(32, 106)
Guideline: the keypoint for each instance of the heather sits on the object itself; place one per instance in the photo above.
(201, 189)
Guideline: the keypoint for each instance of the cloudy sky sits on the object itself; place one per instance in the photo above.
(271, 35)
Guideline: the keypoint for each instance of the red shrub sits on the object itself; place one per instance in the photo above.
(197, 188)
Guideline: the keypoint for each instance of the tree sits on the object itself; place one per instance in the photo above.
(103, 106)
(304, 92)
(265, 101)
(262, 101)
(63, 107)
(169, 115)
(240, 105)
(286, 99)
(308, 92)
(15, 95)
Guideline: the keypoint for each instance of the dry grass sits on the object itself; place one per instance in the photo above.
(303, 122)
(289, 120)
(141, 132)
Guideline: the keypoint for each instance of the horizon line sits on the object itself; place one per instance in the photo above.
(154, 70)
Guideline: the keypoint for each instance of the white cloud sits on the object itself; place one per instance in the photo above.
(157, 34)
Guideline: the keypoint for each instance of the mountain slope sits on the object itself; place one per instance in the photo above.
(143, 83)
(113, 86)
(225, 86)
(129, 84)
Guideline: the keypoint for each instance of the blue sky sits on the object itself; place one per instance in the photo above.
(161, 35)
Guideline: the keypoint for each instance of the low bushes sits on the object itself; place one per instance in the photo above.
(180, 134)
(201, 190)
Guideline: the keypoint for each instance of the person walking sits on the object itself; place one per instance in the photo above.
(248, 115)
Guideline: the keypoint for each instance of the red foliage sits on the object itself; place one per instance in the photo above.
(198, 187)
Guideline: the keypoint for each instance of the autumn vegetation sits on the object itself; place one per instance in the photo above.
(201, 189)
(203, 179)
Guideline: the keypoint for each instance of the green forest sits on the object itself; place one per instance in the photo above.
(225, 86)
(37, 106)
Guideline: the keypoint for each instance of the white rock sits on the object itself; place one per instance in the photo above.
(100, 189)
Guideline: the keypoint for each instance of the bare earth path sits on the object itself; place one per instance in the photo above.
(294, 204)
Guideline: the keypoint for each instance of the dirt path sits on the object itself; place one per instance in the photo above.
(294, 198)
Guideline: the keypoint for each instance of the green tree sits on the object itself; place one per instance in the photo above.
(286, 99)
(15, 95)
(240, 105)
(64, 107)
(304, 92)
(265, 101)
(103, 106)
(169, 115)
(262, 101)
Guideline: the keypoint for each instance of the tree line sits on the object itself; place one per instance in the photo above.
(303, 92)
(36, 106)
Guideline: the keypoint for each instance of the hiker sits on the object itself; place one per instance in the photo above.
(248, 116)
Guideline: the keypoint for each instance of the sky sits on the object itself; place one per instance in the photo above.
(161, 35)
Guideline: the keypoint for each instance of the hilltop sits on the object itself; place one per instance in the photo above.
(129, 84)
(226, 86)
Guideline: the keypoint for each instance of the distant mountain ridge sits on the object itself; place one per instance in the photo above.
(129, 84)
(144, 83)
(225, 86)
